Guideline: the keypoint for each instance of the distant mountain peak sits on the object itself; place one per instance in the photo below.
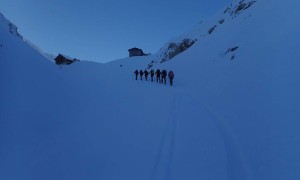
(11, 28)
(178, 45)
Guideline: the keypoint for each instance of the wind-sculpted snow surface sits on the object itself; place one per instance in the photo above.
(224, 118)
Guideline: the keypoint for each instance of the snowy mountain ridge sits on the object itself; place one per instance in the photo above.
(202, 30)
(13, 29)
(48, 56)
(176, 45)
(232, 114)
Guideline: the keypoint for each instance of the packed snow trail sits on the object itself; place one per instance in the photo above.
(169, 160)
(237, 163)
(174, 118)
(168, 141)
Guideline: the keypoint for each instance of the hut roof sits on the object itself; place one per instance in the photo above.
(66, 56)
(134, 49)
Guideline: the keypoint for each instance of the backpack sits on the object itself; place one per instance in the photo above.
(152, 72)
(171, 74)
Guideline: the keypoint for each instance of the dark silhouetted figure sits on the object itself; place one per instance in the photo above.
(171, 77)
(136, 72)
(158, 75)
(146, 74)
(151, 74)
(164, 76)
(141, 74)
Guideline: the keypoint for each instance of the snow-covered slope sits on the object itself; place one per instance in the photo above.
(9, 26)
(48, 56)
(13, 29)
(225, 118)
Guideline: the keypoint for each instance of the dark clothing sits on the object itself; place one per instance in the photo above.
(141, 74)
(158, 75)
(171, 81)
(146, 74)
(152, 74)
(171, 77)
(164, 76)
(136, 72)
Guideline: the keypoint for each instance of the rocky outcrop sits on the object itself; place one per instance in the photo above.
(235, 9)
(176, 48)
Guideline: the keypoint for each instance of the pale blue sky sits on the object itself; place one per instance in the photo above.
(104, 30)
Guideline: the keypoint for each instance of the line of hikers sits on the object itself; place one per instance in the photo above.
(160, 75)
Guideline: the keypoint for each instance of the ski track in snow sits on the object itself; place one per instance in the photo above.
(167, 142)
(237, 166)
(163, 166)
(174, 117)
